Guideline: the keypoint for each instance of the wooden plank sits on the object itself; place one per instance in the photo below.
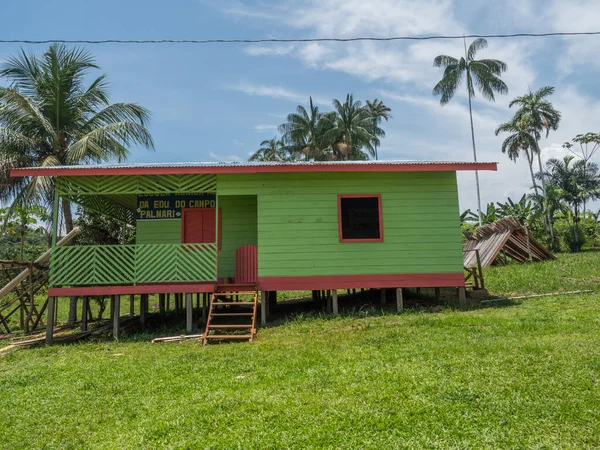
(116, 315)
(85, 304)
(263, 308)
(189, 311)
(334, 302)
(50, 321)
(399, 300)
(183, 337)
(462, 298)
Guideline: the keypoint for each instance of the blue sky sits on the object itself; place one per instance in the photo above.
(218, 102)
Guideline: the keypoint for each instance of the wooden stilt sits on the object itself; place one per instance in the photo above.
(418, 291)
(263, 308)
(56, 310)
(198, 300)
(177, 304)
(189, 312)
(399, 300)
(329, 305)
(161, 306)
(382, 293)
(85, 306)
(438, 293)
(205, 297)
(334, 302)
(168, 302)
(143, 309)
(462, 298)
(117, 316)
(132, 305)
(111, 309)
(50, 320)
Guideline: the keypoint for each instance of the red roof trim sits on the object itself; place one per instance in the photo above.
(98, 171)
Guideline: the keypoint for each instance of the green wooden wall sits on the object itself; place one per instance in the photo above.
(298, 223)
(239, 227)
(158, 232)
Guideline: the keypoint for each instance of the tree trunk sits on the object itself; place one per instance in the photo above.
(545, 211)
(474, 151)
(68, 215)
(530, 163)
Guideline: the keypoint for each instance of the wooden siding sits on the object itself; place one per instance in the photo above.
(238, 226)
(158, 232)
(298, 223)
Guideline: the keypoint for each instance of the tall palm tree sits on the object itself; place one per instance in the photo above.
(484, 74)
(50, 115)
(270, 150)
(303, 132)
(353, 130)
(542, 117)
(521, 140)
(379, 111)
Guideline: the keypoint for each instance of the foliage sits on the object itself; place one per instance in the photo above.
(523, 374)
(23, 235)
(99, 229)
(350, 132)
(51, 115)
(588, 144)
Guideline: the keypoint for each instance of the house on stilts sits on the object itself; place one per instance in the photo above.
(222, 229)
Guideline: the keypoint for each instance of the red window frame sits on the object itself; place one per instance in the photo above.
(219, 225)
(378, 197)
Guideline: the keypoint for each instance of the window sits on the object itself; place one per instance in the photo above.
(359, 218)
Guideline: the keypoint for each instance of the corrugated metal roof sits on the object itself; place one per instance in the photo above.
(252, 167)
(260, 164)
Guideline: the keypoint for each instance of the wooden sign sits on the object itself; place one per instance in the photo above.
(169, 206)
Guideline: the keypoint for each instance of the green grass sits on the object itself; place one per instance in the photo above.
(513, 375)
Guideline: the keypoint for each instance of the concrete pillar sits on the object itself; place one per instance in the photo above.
(264, 304)
(399, 300)
(189, 313)
(462, 298)
(334, 302)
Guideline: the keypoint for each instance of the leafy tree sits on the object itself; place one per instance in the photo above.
(490, 215)
(24, 234)
(271, 150)
(51, 115)
(99, 229)
(303, 132)
(588, 143)
(573, 182)
(520, 140)
(379, 111)
(483, 74)
(524, 211)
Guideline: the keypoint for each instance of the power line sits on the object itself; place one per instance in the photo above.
(266, 41)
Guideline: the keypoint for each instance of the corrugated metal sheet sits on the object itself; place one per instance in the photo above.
(259, 164)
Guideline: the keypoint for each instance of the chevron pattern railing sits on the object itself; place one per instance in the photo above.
(91, 265)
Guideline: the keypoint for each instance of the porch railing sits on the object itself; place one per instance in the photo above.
(90, 265)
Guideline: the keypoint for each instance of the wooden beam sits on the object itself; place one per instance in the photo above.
(189, 312)
(382, 294)
(132, 305)
(161, 306)
(85, 306)
(438, 293)
(263, 307)
(50, 320)
(334, 302)
(143, 309)
(117, 315)
(462, 298)
(399, 300)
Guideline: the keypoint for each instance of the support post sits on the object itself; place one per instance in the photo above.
(168, 302)
(116, 317)
(177, 304)
(85, 306)
(462, 297)
(50, 320)
(161, 306)
(329, 305)
(143, 309)
(399, 300)
(334, 302)
(132, 305)
(263, 307)
(438, 293)
(205, 298)
(382, 293)
(189, 312)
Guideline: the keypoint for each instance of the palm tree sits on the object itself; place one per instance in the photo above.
(50, 116)
(303, 132)
(483, 74)
(574, 184)
(521, 139)
(353, 131)
(540, 113)
(378, 111)
(270, 150)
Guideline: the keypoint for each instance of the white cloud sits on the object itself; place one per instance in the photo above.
(269, 50)
(224, 158)
(265, 127)
(273, 92)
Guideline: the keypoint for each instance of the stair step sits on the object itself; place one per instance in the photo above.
(231, 314)
(228, 336)
(212, 326)
(227, 294)
(233, 303)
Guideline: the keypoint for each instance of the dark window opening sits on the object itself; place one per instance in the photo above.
(360, 218)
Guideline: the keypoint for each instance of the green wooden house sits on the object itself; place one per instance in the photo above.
(272, 226)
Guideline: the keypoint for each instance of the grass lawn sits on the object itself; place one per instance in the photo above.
(510, 375)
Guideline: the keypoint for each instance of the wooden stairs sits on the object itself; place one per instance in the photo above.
(232, 313)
